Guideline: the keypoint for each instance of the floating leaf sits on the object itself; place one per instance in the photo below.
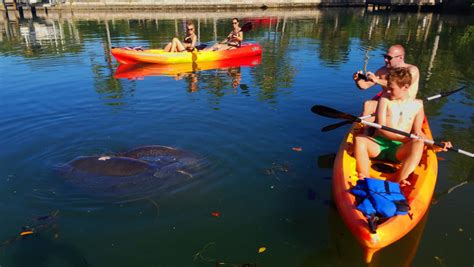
(262, 249)
(216, 214)
(25, 233)
(297, 149)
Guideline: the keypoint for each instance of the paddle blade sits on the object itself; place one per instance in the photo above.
(335, 126)
(452, 92)
(332, 113)
(247, 27)
(444, 94)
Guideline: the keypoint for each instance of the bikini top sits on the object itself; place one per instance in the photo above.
(188, 39)
(235, 33)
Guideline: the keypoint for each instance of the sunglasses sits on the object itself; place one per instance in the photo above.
(190, 29)
(235, 22)
(387, 57)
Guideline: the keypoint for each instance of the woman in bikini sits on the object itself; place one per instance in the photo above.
(188, 43)
(232, 41)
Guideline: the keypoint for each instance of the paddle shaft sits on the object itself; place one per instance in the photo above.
(342, 123)
(444, 94)
(413, 136)
(333, 113)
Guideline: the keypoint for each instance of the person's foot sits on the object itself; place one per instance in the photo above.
(404, 183)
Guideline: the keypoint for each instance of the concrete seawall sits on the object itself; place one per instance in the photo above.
(183, 14)
(206, 4)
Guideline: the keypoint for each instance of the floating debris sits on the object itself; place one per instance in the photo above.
(276, 168)
(39, 224)
(185, 173)
(440, 261)
(216, 214)
(262, 249)
(25, 233)
(297, 149)
(200, 256)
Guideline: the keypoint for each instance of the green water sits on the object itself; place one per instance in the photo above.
(59, 100)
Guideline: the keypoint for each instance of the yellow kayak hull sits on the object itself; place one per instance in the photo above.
(158, 56)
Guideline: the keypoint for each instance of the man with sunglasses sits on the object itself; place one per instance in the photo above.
(394, 58)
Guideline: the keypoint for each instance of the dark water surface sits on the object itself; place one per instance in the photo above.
(59, 100)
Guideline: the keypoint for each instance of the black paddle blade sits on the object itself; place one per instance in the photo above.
(452, 92)
(247, 27)
(332, 113)
(335, 126)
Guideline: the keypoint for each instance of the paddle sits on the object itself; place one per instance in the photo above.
(342, 123)
(246, 27)
(333, 113)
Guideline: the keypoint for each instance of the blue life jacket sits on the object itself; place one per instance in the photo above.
(379, 198)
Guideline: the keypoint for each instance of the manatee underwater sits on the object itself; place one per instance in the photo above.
(139, 172)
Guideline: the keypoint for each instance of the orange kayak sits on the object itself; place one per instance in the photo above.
(418, 195)
(158, 56)
(139, 71)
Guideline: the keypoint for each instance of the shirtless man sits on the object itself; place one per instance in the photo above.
(396, 109)
(394, 58)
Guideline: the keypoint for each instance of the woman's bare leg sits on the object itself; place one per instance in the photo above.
(179, 46)
(168, 47)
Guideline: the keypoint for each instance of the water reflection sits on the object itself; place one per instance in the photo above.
(140, 71)
(332, 30)
(32, 38)
(196, 75)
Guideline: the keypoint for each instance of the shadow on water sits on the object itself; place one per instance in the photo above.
(43, 251)
(344, 250)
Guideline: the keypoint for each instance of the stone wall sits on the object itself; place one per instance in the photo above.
(195, 4)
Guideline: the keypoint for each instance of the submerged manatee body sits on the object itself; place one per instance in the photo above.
(140, 172)
(169, 161)
(108, 166)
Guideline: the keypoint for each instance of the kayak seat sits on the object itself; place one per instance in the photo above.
(201, 47)
(384, 168)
